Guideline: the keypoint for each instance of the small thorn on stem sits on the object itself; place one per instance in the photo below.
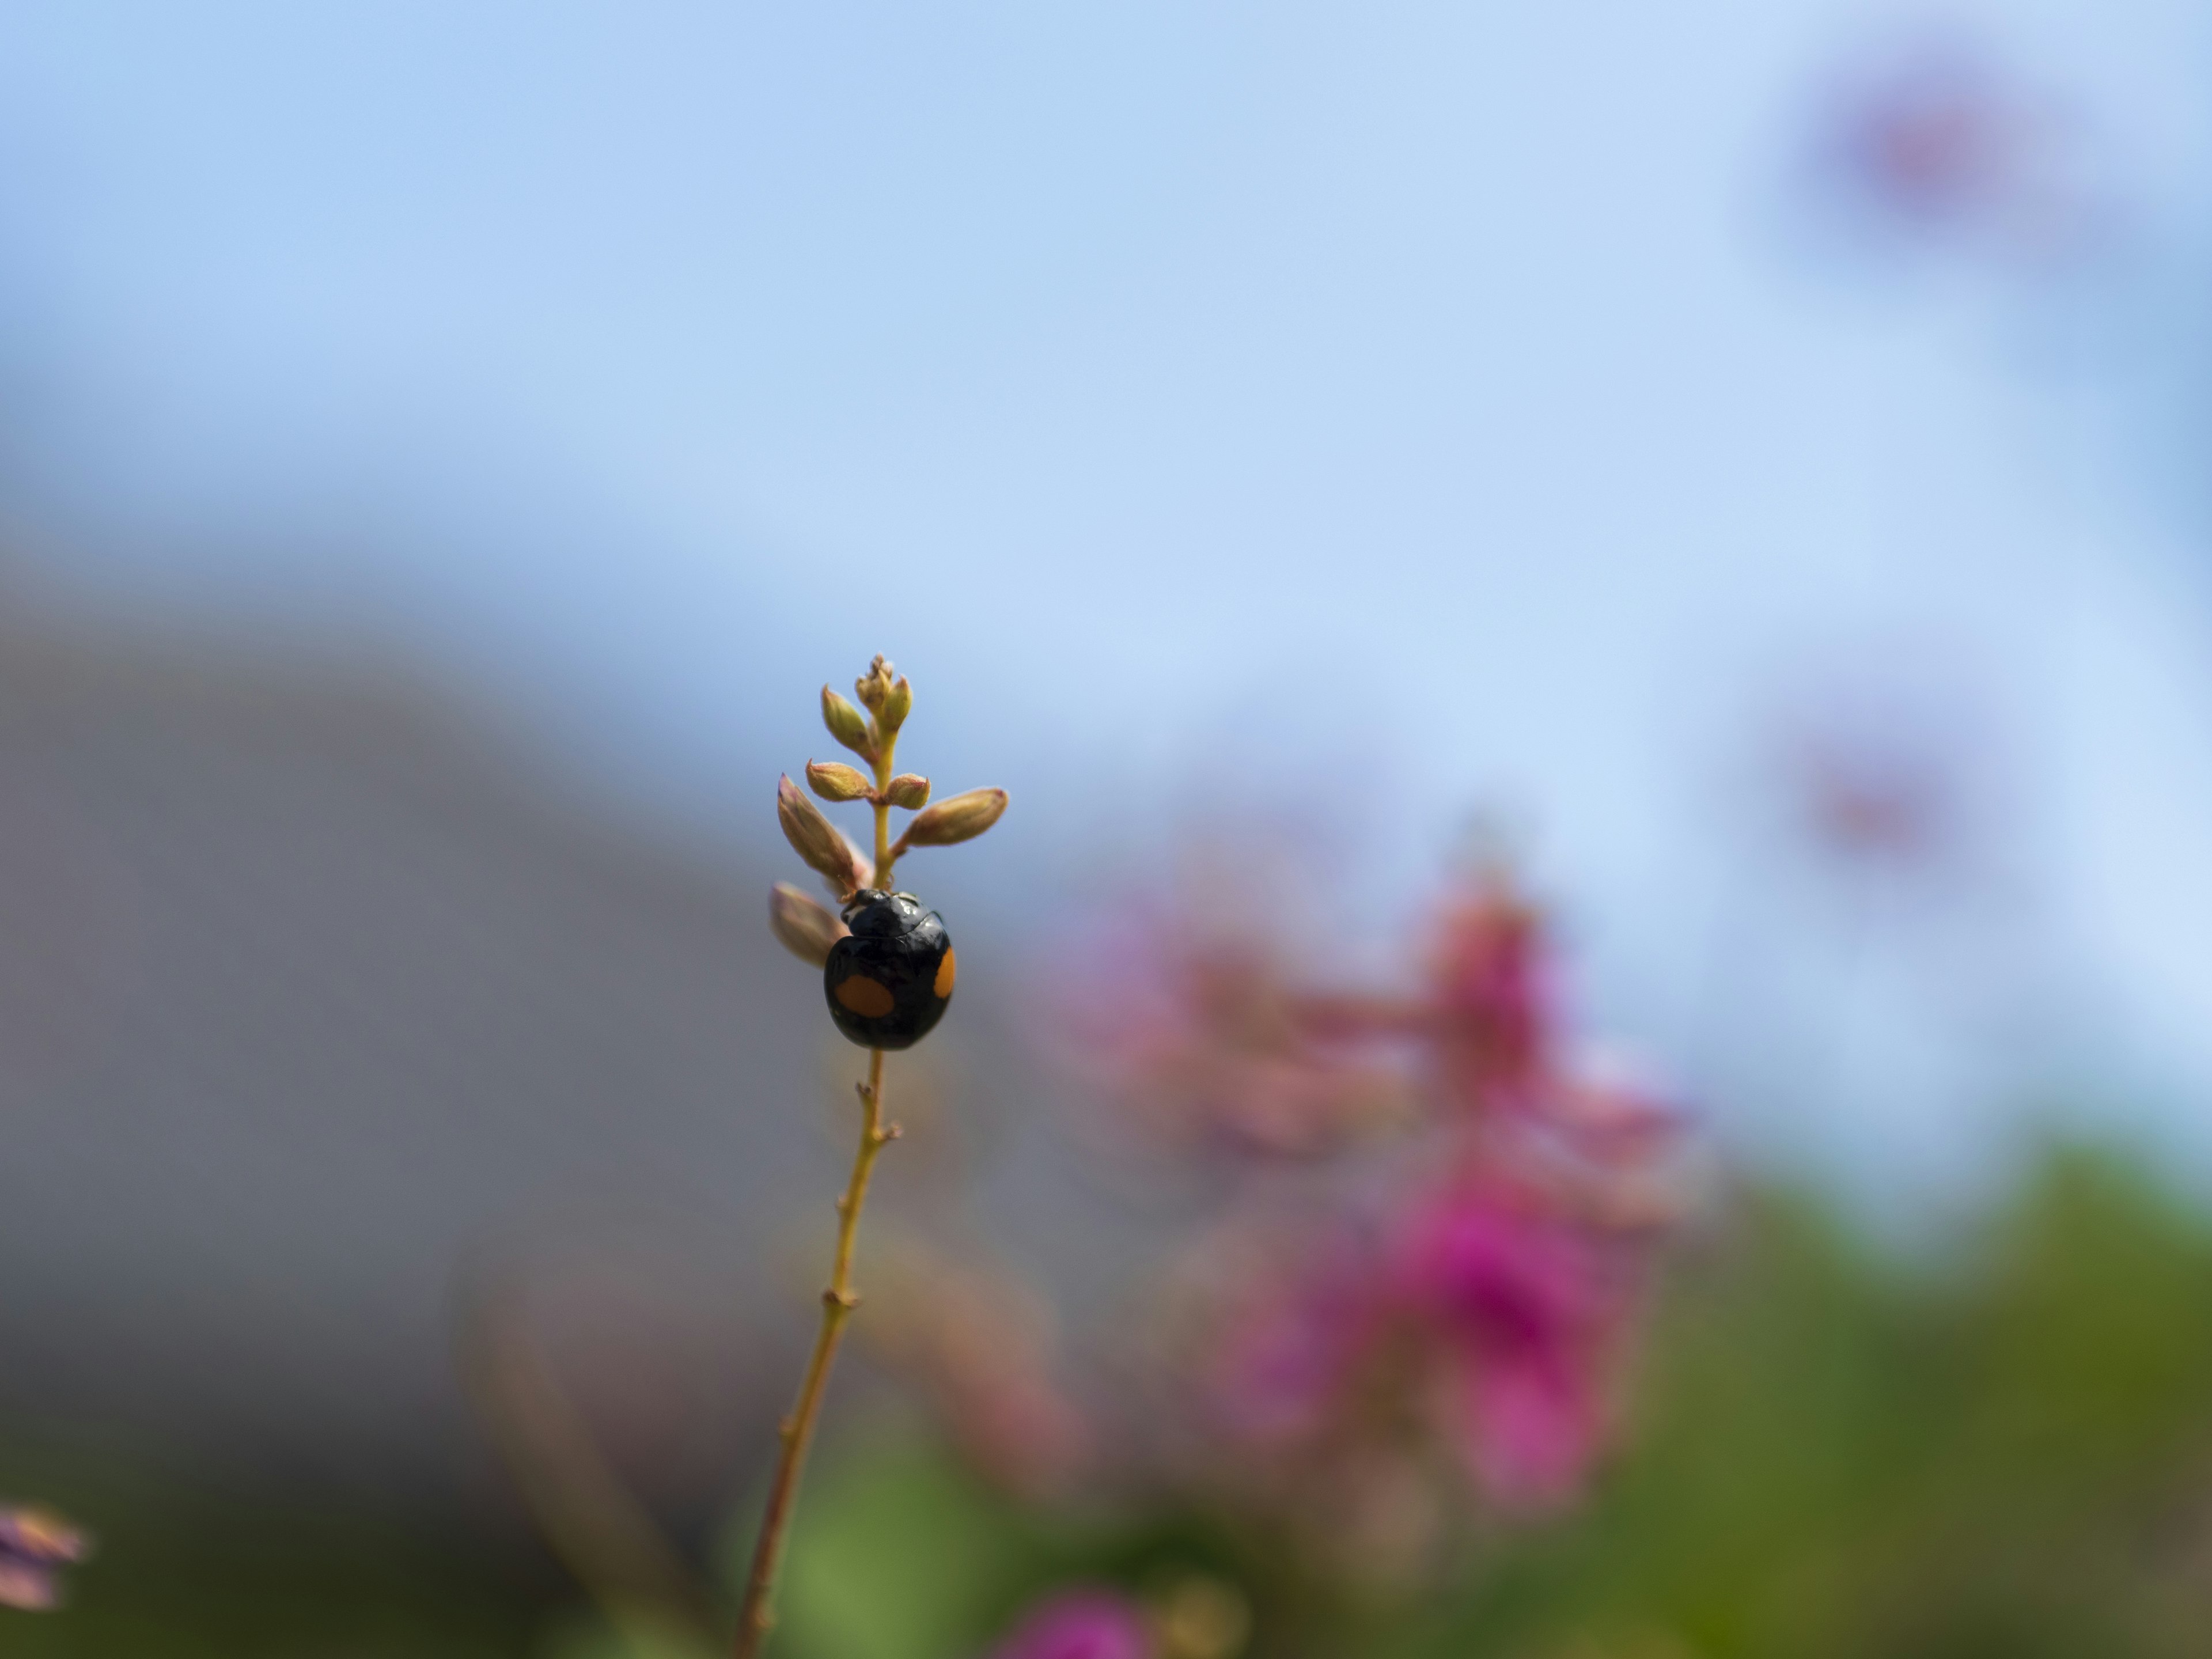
(834, 1297)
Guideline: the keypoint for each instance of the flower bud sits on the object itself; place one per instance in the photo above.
(897, 702)
(960, 818)
(815, 839)
(860, 870)
(847, 724)
(874, 686)
(802, 926)
(835, 781)
(909, 790)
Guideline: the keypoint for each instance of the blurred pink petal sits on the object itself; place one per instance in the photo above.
(1532, 1428)
(1082, 1623)
(1203, 1040)
(35, 1544)
(1530, 1301)
(1490, 1006)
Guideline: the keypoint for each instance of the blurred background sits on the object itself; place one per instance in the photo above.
(1740, 465)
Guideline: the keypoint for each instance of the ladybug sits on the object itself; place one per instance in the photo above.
(888, 980)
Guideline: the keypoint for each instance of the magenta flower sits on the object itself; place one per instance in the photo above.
(1481, 1027)
(1525, 1305)
(1488, 1312)
(1469, 1292)
(1489, 1017)
(1081, 1624)
(35, 1543)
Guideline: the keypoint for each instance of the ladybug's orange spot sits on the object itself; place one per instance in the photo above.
(943, 984)
(865, 997)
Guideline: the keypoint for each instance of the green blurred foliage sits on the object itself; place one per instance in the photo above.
(1999, 1451)
(194, 1564)
(2007, 1454)
(2003, 1450)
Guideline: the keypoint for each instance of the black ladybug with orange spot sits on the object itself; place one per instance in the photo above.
(888, 979)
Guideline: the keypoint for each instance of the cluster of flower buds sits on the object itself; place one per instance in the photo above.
(806, 927)
(35, 1543)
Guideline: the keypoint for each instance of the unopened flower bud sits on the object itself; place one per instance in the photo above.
(874, 686)
(860, 870)
(815, 839)
(909, 790)
(897, 702)
(835, 781)
(801, 926)
(960, 818)
(847, 724)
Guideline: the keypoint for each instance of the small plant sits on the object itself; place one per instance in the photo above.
(887, 974)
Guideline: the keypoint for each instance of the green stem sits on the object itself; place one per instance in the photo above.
(797, 1433)
(886, 746)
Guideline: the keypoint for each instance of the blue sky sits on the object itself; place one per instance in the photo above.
(1402, 401)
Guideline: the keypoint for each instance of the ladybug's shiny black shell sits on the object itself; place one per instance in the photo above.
(888, 981)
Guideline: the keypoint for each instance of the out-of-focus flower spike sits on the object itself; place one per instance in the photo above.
(848, 725)
(835, 781)
(803, 927)
(35, 1543)
(816, 839)
(956, 818)
(909, 790)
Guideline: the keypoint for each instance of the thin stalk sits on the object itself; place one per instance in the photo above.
(797, 1431)
(885, 750)
(758, 1615)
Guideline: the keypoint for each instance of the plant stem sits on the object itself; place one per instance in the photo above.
(797, 1432)
(757, 1616)
(886, 748)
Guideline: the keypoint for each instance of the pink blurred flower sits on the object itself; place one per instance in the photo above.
(1081, 1624)
(35, 1543)
(978, 1346)
(1487, 1311)
(1489, 1018)
(1526, 1305)
(1471, 1290)
(1936, 141)
(1206, 1044)
(1481, 1024)
(1289, 1355)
